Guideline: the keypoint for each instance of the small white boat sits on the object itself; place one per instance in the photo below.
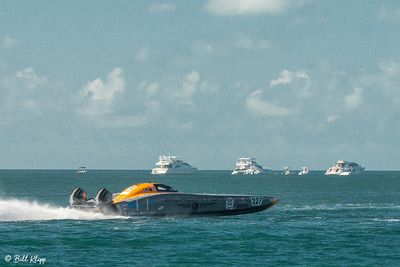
(304, 171)
(343, 167)
(286, 171)
(172, 165)
(81, 170)
(247, 166)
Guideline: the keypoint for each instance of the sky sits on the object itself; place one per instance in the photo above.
(115, 84)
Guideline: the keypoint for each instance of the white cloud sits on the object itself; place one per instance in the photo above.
(354, 100)
(389, 14)
(25, 90)
(28, 79)
(260, 107)
(208, 88)
(144, 105)
(101, 94)
(161, 7)
(8, 41)
(250, 7)
(245, 42)
(142, 55)
(151, 88)
(121, 121)
(287, 77)
(189, 87)
(390, 68)
(202, 47)
(332, 118)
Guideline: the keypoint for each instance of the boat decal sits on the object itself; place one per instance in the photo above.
(229, 203)
(256, 201)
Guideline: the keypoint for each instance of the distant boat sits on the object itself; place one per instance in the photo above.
(286, 171)
(81, 170)
(248, 166)
(304, 171)
(343, 167)
(172, 165)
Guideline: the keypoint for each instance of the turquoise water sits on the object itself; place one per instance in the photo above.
(319, 221)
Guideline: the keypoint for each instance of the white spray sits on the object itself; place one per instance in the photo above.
(24, 210)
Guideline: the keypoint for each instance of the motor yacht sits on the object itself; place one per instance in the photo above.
(172, 165)
(343, 167)
(248, 166)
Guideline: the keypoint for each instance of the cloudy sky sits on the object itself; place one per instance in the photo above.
(114, 84)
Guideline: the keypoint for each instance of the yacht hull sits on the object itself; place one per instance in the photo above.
(344, 173)
(173, 171)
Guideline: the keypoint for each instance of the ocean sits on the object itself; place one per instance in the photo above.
(319, 221)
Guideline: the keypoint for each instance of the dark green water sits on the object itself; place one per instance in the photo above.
(319, 221)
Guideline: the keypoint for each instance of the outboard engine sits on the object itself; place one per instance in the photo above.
(78, 197)
(103, 198)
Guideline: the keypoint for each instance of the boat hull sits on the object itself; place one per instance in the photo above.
(173, 171)
(347, 173)
(249, 172)
(193, 204)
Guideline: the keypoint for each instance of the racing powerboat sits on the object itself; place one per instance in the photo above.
(155, 199)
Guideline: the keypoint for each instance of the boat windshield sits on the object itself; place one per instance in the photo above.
(164, 188)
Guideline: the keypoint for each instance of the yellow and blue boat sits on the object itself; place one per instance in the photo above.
(156, 199)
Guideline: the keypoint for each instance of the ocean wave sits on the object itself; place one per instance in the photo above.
(24, 210)
(328, 207)
(387, 220)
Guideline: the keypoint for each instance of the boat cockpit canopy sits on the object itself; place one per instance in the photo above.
(164, 188)
(139, 189)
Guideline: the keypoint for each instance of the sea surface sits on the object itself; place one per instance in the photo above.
(319, 221)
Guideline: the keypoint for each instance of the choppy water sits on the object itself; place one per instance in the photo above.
(319, 221)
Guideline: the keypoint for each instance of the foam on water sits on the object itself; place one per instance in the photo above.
(323, 207)
(23, 210)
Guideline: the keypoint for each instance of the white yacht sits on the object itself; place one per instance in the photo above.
(172, 165)
(304, 171)
(286, 171)
(81, 170)
(248, 166)
(343, 167)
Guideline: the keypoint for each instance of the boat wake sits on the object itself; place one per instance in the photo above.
(333, 207)
(24, 210)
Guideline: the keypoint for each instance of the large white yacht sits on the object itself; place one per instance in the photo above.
(248, 166)
(343, 167)
(172, 165)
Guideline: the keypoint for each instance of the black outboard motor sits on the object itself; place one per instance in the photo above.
(78, 197)
(103, 198)
(103, 201)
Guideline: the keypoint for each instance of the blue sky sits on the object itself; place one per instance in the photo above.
(114, 84)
